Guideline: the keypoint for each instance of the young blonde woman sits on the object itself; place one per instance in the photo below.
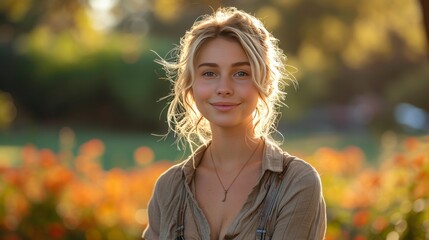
(238, 183)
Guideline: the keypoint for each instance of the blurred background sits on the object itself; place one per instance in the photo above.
(80, 74)
(362, 68)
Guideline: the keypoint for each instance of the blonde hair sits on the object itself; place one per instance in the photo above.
(267, 62)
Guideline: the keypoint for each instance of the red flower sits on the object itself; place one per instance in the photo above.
(361, 218)
(56, 230)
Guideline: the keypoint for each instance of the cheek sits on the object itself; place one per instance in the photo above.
(255, 103)
(201, 91)
(199, 95)
(252, 94)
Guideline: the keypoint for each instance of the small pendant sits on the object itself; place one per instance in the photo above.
(224, 197)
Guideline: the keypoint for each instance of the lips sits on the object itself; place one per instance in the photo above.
(224, 106)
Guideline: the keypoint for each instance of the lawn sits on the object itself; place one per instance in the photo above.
(120, 146)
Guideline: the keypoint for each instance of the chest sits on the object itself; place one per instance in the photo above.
(221, 198)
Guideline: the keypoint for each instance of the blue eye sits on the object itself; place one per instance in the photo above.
(241, 74)
(209, 74)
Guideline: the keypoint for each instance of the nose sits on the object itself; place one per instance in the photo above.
(224, 87)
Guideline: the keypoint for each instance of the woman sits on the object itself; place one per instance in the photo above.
(238, 184)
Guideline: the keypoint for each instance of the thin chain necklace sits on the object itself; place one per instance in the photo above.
(238, 174)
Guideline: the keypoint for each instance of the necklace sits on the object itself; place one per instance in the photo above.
(238, 174)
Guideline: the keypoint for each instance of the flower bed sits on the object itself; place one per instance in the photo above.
(64, 196)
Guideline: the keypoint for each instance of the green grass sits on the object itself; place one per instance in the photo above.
(120, 146)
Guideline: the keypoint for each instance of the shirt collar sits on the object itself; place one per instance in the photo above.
(272, 160)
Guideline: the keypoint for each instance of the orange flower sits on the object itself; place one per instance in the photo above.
(143, 155)
(140, 186)
(356, 198)
(369, 179)
(34, 191)
(361, 218)
(29, 155)
(421, 189)
(127, 211)
(47, 158)
(84, 164)
(400, 161)
(57, 178)
(419, 161)
(13, 177)
(84, 195)
(411, 143)
(106, 214)
(141, 217)
(332, 160)
(380, 224)
(353, 159)
(114, 185)
(146, 178)
(93, 148)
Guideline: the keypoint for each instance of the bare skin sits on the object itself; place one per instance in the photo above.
(209, 192)
(226, 96)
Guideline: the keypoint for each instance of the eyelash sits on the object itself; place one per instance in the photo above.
(208, 74)
(241, 73)
(245, 74)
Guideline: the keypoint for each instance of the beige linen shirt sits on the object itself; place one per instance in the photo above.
(300, 211)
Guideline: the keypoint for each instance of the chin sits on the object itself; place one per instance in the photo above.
(230, 124)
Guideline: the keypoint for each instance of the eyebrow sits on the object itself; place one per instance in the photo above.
(237, 64)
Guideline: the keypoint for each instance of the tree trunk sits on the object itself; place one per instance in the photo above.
(425, 13)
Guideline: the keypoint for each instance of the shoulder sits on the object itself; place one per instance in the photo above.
(170, 180)
(301, 208)
(300, 175)
(301, 169)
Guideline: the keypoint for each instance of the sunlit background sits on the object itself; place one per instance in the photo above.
(80, 116)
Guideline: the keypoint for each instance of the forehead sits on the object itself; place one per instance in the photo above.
(221, 50)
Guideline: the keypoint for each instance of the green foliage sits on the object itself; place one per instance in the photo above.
(60, 66)
(108, 80)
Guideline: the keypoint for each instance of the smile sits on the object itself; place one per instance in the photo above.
(224, 106)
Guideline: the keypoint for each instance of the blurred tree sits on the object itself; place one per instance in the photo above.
(425, 11)
(66, 67)
(25, 15)
(7, 110)
(71, 58)
(344, 51)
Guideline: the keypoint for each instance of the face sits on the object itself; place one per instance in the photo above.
(223, 89)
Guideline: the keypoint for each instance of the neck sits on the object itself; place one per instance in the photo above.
(231, 147)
